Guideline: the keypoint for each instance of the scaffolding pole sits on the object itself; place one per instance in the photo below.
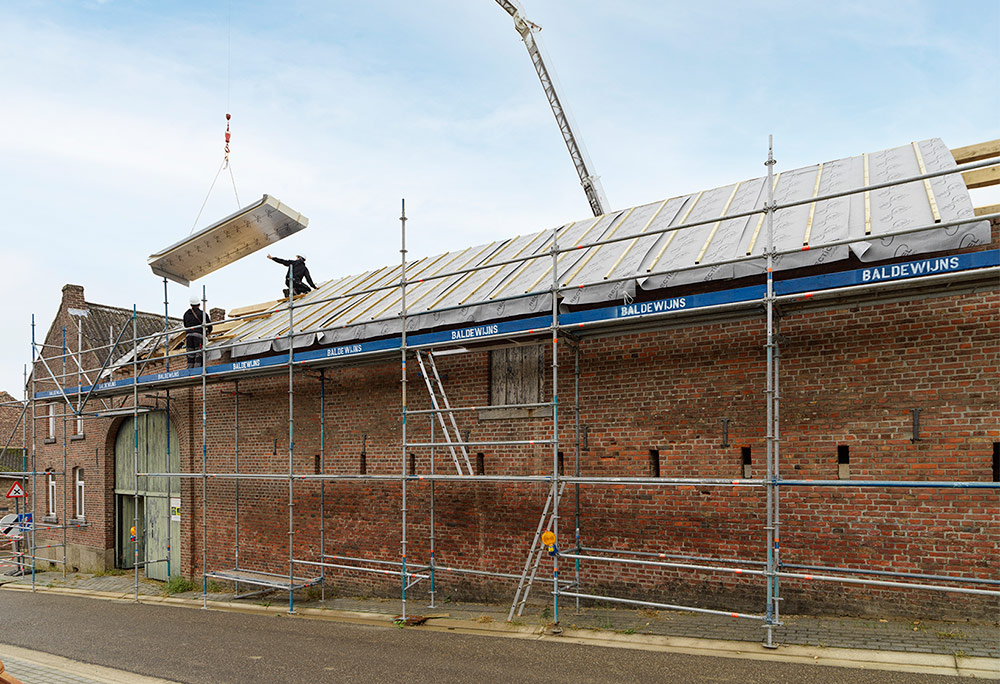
(402, 356)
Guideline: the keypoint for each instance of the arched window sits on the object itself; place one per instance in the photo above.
(78, 498)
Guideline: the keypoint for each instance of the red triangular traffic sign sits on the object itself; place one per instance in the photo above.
(15, 491)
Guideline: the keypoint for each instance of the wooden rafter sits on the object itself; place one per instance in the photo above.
(979, 178)
(977, 152)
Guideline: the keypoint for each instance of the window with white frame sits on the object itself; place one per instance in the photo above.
(52, 421)
(78, 492)
(78, 427)
(50, 499)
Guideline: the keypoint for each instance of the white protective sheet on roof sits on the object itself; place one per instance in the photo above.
(653, 261)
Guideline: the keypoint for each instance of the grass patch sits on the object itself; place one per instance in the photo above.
(112, 572)
(177, 585)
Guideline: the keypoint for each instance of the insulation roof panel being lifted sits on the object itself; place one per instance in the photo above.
(234, 237)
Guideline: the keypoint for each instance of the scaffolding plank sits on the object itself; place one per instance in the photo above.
(234, 237)
(264, 579)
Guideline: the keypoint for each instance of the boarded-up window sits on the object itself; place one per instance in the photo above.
(516, 375)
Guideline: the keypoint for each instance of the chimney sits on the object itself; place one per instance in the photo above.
(216, 314)
(72, 296)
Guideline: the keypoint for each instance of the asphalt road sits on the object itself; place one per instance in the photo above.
(211, 647)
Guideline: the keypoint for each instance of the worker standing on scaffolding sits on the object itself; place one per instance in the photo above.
(194, 323)
(300, 274)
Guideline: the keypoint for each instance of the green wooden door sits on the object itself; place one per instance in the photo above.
(150, 438)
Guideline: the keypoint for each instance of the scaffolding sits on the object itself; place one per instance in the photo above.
(767, 301)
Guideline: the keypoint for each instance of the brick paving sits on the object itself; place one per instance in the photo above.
(36, 673)
(916, 636)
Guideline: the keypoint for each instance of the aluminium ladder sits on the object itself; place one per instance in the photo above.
(434, 385)
(534, 557)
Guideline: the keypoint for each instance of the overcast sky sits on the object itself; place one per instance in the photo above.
(113, 112)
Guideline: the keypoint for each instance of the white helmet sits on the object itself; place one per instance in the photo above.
(195, 300)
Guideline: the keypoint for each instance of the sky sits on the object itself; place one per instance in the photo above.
(113, 113)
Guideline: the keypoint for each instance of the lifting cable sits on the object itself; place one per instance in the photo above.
(225, 159)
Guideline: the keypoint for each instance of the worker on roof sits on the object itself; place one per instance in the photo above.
(194, 323)
(300, 274)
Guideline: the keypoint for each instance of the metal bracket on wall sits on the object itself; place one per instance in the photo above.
(725, 433)
(915, 413)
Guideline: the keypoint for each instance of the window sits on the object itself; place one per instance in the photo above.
(516, 375)
(654, 462)
(78, 427)
(843, 462)
(52, 421)
(78, 492)
(746, 460)
(50, 499)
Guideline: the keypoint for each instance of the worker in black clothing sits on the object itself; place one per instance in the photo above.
(194, 341)
(299, 274)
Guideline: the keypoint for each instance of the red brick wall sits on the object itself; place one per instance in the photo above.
(849, 376)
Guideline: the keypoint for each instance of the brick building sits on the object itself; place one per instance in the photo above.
(888, 372)
(71, 447)
(11, 446)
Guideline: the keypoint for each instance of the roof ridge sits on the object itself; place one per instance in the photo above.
(108, 307)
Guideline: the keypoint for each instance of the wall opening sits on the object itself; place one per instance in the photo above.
(480, 463)
(746, 462)
(364, 464)
(996, 461)
(413, 464)
(654, 462)
(316, 466)
(843, 462)
(559, 458)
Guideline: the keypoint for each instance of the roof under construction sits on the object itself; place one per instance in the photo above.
(718, 248)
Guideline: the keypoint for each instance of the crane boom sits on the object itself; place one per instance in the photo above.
(584, 167)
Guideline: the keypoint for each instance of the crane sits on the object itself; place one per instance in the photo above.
(581, 160)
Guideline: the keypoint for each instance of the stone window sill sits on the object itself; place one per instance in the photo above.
(49, 440)
(54, 519)
(77, 438)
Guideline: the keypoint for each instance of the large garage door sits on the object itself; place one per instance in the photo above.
(152, 438)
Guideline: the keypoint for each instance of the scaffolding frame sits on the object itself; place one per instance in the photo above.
(771, 570)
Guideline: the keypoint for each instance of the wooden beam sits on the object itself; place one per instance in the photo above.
(988, 209)
(252, 308)
(982, 178)
(971, 153)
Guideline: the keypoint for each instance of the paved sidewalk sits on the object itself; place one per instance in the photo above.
(36, 667)
(959, 639)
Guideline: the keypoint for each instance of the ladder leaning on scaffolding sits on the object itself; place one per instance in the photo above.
(441, 407)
